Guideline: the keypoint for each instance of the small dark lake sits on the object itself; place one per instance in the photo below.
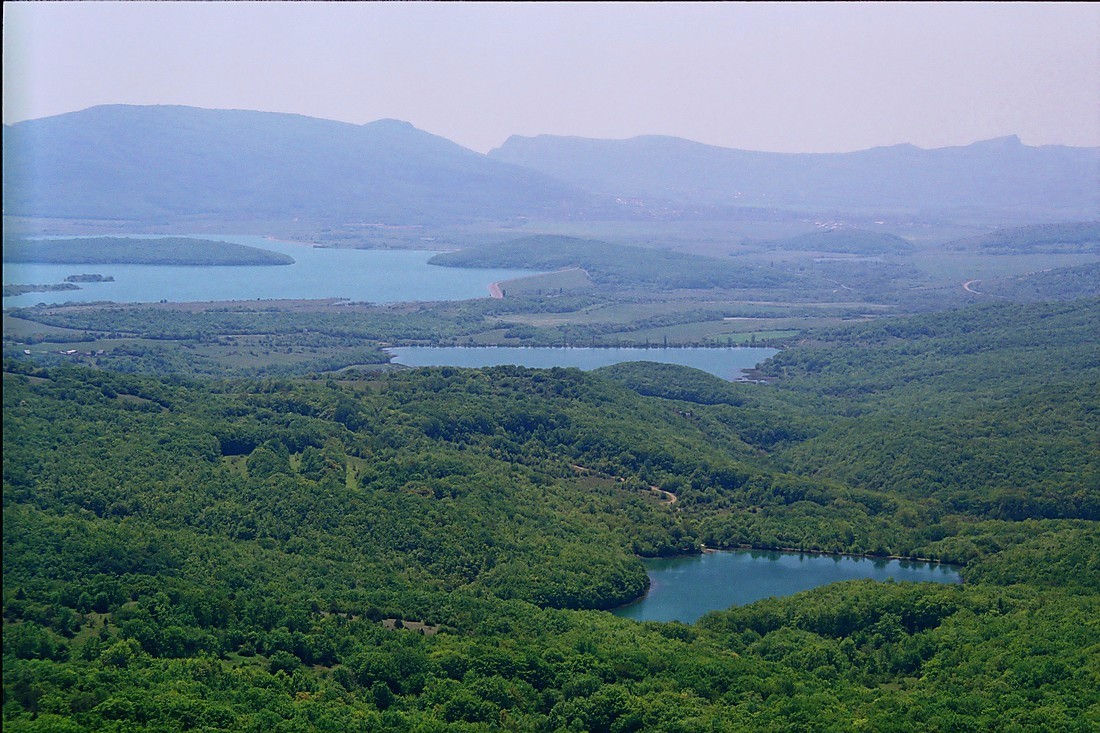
(685, 588)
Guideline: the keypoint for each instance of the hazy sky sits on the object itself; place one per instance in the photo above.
(783, 77)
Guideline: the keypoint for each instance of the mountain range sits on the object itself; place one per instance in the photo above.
(999, 174)
(171, 165)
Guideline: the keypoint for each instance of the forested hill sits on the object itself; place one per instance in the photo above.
(407, 551)
(1071, 237)
(994, 175)
(171, 165)
(615, 264)
(1060, 283)
(136, 251)
(988, 409)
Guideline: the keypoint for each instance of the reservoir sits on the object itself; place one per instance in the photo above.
(684, 588)
(727, 363)
(363, 275)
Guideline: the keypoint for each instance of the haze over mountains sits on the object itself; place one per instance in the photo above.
(176, 163)
(168, 164)
(991, 175)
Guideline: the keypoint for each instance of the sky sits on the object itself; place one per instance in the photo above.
(784, 77)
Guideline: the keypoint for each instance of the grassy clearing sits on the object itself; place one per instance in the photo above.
(617, 313)
(89, 347)
(720, 333)
(236, 464)
(961, 266)
(30, 379)
(135, 400)
(391, 624)
(548, 283)
(22, 329)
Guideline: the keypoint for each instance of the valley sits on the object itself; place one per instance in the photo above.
(227, 506)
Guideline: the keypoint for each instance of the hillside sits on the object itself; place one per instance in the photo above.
(614, 264)
(415, 550)
(987, 409)
(1069, 237)
(1061, 283)
(178, 164)
(1001, 175)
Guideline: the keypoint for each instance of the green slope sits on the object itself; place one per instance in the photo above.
(614, 264)
(223, 554)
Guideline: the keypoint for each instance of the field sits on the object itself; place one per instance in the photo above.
(608, 302)
(409, 548)
(548, 284)
(960, 267)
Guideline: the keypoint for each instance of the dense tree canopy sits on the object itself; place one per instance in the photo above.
(430, 549)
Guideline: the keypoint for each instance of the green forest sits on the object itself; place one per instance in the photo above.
(436, 549)
(614, 264)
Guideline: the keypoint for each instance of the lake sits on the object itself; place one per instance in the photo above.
(685, 588)
(727, 363)
(365, 275)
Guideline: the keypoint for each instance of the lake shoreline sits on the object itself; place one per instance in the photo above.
(378, 276)
(828, 553)
(705, 550)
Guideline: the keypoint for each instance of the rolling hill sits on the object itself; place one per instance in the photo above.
(614, 264)
(1068, 237)
(172, 165)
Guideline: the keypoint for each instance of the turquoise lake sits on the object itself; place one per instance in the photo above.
(685, 588)
(363, 275)
(727, 363)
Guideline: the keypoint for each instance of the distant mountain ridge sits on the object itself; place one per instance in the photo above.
(999, 174)
(172, 165)
(177, 163)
